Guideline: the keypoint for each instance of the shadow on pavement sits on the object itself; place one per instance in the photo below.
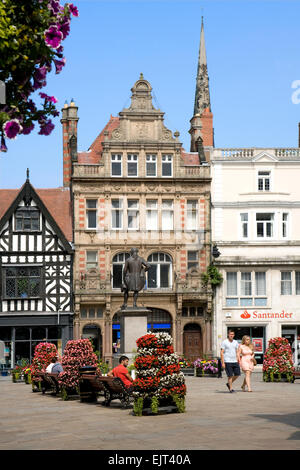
(292, 419)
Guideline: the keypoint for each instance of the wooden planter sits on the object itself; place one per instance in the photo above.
(68, 393)
(165, 405)
(17, 377)
(188, 371)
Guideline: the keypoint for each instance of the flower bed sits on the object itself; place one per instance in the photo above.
(278, 361)
(159, 381)
(206, 368)
(77, 354)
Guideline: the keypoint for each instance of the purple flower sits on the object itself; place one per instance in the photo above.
(28, 129)
(3, 147)
(59, 64)
(64, 28)
(46, 128)
(12, 128)
(39, 77)
(53, 37)
(54, 6)
(48, 98)
(73, 9)
(31, 106)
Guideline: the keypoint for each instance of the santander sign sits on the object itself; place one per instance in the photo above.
(258, 315)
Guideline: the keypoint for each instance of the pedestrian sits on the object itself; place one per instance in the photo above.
(247, 361)
(230, 359)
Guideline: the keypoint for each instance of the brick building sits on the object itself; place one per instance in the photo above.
(137, 186)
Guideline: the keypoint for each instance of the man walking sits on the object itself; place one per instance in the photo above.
(230, 360)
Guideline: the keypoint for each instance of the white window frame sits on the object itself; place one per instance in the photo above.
(115, 209)
(116, 158)
(285, 225)
(92, 263)
(151, 158)
(133, 158)
(89, 210)
(167, 208)
(240, 298)
(243, 224)
(265, 222)
(167, 159)
(264, 179)
(192, 223)
(289, 281)
(167, 261)
(137, 213)
(152, 210)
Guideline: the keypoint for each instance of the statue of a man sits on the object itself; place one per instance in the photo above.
(134, 276)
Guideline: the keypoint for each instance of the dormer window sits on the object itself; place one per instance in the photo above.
(116, 165)
(132, 165)
(166, 168)
(264, 181)
(27, 219)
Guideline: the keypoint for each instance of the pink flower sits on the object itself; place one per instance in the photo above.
(48, 98)
(12, 128)
(53, 37)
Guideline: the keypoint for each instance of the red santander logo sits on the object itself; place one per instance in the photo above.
(245, 315)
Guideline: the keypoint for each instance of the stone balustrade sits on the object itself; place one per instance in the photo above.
(252, 151)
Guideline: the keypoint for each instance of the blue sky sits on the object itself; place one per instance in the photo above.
(253, 54)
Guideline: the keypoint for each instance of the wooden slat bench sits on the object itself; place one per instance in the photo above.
(90, 387)
(115, 389)
(52, 383)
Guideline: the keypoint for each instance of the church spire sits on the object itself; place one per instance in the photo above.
(201, 122)
(202, 98)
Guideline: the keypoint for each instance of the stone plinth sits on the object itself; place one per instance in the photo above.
(133, 325)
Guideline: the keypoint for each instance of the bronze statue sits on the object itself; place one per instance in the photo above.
(133, 276)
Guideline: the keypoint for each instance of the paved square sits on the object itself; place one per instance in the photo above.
(268, 418)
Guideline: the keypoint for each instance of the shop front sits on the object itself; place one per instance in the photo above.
(19, 335)
(261, 326)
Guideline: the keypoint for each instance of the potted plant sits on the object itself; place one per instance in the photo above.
(278, 361)
(206, 368)
(186, 366)
(77, 354)
(159, 381)
(43, 354)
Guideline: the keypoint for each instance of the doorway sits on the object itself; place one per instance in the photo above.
(292, 334)
(192, 342)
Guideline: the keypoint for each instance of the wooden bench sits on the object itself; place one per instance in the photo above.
(90, 387)
(115, 389)
(51, 382)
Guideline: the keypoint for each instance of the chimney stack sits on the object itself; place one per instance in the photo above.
(69, 123)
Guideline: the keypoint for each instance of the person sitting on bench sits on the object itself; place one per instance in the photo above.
(121, 371)
(57, 367)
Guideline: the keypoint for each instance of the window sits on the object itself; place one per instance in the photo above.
(192, 210)
(192, 259)
(244, 225)
(246, 289)
(166, 167)
(91, 259)
(27, 219)
(167, 215)
(264, 225)
(286, 283)
(151, 165)
(132, 165)
(91, 213)
(133, 214)
(264, 180)
(192, 311)
(117, 213)
(91, 312)
(284, 225)
(151, 214)
(159, 274)
(118, 264)
(22, 282)
(116, 165)
(297, 274)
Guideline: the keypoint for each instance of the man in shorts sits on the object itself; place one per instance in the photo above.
(230, 360)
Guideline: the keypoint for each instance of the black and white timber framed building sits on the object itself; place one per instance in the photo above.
(36, 265)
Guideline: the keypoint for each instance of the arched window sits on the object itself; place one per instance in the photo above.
(160, 272)
(118, 264)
